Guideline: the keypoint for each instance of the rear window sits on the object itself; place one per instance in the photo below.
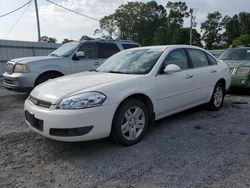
(198, 58)
(128, 46)
(235, 54)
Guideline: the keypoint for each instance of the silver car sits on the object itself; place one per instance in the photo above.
(23, 74)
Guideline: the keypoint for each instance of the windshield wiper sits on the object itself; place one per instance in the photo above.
(119, 72)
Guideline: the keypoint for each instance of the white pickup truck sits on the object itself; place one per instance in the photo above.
(23, 74)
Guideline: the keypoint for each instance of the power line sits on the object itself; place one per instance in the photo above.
(73, 11)
(18, 19)
(16, 9)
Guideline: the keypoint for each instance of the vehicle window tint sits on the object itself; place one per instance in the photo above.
(128, 46)
(177, 57)
(90, 50)
(211, 60)
(198, 58)
(106, 50)
(235, 54)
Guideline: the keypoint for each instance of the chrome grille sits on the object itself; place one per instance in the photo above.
(10, 68)
(39, 102)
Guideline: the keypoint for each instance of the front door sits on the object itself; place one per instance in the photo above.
(90, 59)
(175, 90)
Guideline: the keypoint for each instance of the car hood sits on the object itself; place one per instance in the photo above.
(237, 63)
(56, 89)
(26, 60)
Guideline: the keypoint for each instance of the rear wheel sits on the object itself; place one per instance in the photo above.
(217, 98)
(130, 122)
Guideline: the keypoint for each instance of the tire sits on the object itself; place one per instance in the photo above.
(45, 77)
(133, 117)
(217, 98)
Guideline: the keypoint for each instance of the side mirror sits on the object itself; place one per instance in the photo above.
(80, 54)
(171, 68)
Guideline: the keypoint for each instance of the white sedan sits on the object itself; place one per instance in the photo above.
(126, 93)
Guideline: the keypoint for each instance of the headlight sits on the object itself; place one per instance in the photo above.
(21, 68)
(243, 70)
(83, 100)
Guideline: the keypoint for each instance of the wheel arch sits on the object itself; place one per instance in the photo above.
(56, 72)
(145, 99)
(223, 82)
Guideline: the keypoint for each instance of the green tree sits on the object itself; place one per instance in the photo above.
(66, 41)
(244, 20)
(212, 30)
(171, 30)
(231, 27)
(48, 39)
(147, 23)
(242, 40)
(85, 37)
(135, 20)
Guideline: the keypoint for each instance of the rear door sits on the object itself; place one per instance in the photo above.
(106, 50)
(204, 73)
(89, 61)
(175, 90)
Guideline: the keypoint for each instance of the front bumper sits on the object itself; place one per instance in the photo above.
(240, 81)
(19, 82)
(95, 122)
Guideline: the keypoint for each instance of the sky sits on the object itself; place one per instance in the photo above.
(60, 23)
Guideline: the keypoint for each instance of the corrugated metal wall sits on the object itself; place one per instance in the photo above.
(10, 49)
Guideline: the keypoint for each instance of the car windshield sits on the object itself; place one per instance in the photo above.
(136, 61)
(65, 50)
(235, 54)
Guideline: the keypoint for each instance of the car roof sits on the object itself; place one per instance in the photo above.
(164, 47)
(109, 41)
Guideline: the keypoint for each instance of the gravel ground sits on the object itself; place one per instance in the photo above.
(195, 148)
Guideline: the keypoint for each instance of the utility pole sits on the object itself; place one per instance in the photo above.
(191, 26)
(38, 23)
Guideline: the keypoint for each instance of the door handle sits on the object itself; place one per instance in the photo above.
(213, 70)
(96, 63)
(188, 76)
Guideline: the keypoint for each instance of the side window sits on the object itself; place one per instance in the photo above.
(198, 58)
(211, 60)
(107, 49)
(177, 57)
(90, 50)
(128, 46)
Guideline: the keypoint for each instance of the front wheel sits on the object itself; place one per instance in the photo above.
(217, 98)
(130, 122)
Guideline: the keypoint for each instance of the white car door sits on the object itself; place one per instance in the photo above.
(90, 59)
(205, 75)
(175, 90)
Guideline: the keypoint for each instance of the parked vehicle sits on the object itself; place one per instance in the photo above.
(127, 92)
(238, 58)
(216, 53)
(23, 74)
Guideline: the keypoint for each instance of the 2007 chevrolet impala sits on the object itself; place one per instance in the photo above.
(127, 92)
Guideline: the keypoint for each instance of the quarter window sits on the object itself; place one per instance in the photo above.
(107, 49)
(198, 58)
(90, 50)
(177, 57)
(211, 60)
